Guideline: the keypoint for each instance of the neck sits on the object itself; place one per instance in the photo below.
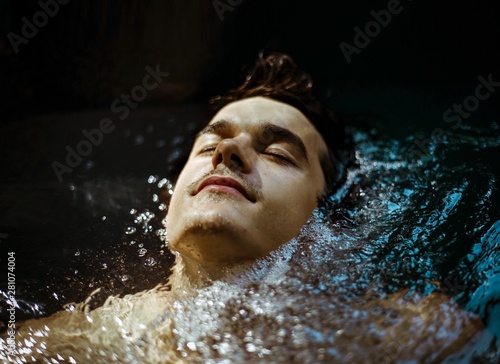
(188, 275)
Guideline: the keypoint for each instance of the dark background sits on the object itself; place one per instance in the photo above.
(90, 52)
(63, 80)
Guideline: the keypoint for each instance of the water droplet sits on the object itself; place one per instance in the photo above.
(162, 182)
(142, 252)
(130, 230)
(89, 165)
(132, 211)
(161, 232)
(139, 139)
(160, 143)
(174, 155)
(69, 307)
(149, 262)
(177, 140)
(191, 346)
(152, 179)
(77, 253)
(103, 218)
(250, 347)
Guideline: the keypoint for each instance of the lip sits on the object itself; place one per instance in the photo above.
(226, 184)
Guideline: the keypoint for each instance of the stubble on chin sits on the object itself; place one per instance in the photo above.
(208, 240)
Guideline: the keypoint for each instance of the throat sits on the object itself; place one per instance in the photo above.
(189, 276)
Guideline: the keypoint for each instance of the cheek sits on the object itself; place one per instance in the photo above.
(281, 220)
(186, 177)
(191, 172)
(292, 199)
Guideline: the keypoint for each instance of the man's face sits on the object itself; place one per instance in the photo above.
(251, 182)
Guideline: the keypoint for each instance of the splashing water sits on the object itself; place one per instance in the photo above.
(393, 268)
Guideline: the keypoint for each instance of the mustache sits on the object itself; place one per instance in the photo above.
(250, 187)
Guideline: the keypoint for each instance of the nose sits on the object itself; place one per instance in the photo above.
(233, 154)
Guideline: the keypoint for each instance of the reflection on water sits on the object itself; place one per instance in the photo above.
(381, 273)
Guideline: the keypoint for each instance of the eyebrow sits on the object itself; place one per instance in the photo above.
(279, 133)
(216, 128)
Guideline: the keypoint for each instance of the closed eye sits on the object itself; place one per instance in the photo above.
(207, 149)
(281, 157)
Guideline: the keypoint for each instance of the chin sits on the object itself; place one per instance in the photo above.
(214, 243)
(217, 218)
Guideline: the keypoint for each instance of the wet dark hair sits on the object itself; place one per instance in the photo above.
(278, 77)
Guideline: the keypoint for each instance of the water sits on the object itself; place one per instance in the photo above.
(392, 268)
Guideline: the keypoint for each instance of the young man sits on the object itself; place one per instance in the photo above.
(255, 174)
(256, 171)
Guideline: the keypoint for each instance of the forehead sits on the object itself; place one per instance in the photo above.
(253, 112)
